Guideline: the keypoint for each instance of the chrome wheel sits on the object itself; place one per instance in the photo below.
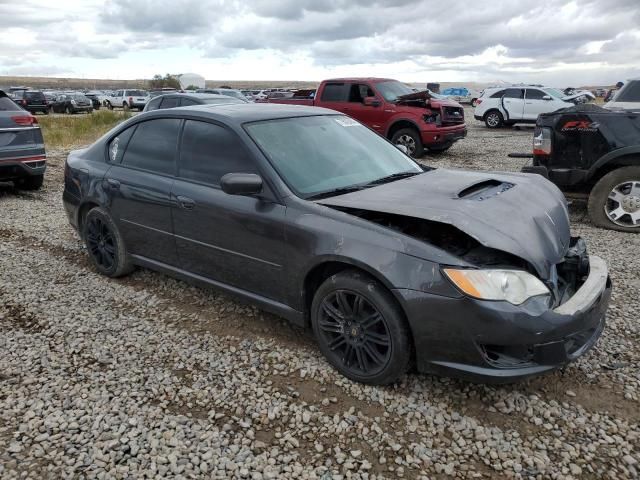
(623, 204)
(354, 332)
(408, 142)
(493, 119)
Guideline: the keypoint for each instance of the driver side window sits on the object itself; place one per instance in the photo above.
(359, 91)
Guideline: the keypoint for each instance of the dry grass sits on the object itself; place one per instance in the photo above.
(64, 131)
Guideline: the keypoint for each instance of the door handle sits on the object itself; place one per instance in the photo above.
(186, 202)
(113, 183)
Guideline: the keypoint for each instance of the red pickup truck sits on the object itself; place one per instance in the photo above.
(416, 120)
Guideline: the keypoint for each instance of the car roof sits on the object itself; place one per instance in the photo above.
(239, 113)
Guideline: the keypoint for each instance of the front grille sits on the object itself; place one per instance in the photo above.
(452, 115)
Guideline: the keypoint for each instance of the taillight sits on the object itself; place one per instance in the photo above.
(542, 141)
(26, 120)
(130, 100)
(478, 102)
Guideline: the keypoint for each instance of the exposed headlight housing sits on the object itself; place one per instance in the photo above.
(513, 286)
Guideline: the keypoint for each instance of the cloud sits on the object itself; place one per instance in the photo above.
(516, 39)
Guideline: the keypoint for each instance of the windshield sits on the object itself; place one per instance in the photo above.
(232, 93)
(323, 153)
(554, 92)
(392, 90)
(220, 100)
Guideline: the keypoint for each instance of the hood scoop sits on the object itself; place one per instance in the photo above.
(485, 190)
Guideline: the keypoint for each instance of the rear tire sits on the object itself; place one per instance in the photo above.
(361, 329)
(493, 119)
(410, 138)
(30, 183)
(105, 244)
(602, 206)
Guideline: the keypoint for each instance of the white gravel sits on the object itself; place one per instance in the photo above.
(148, 377)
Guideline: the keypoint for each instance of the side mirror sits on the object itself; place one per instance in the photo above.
(371, 102)
(241, 184)
(547, 97)
(403, 148)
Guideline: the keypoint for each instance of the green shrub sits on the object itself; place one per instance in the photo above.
(65, 131)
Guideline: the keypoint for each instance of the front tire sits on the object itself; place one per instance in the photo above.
(105, 244)
(410, 138)
(360, 329)
(30, 183)
(493, 119)
(614, 202)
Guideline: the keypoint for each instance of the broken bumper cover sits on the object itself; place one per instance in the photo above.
(495, 341)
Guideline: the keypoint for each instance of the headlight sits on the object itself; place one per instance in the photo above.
(514, 286)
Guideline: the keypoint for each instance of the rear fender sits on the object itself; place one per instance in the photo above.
(622, 156)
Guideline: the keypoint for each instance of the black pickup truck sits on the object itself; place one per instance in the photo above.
(593, 151)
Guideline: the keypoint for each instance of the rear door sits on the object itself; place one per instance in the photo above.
(139, 183)
(20, 139)
(513, 104)
(232, 239)
(335, 96)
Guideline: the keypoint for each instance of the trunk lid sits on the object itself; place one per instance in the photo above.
(524, 215)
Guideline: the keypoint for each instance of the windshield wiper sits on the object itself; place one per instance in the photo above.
(393, 177)
(335, 192)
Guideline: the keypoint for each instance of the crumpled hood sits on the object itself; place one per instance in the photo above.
(571, 98)
(522, 214)
(425, 98)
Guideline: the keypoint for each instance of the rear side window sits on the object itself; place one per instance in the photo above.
(498, 94)
(208, 152)
(513, 93)
(535, 94)
(185, 102)
(153, 146)
(154, 104)
(335, 92)
(169, 102)
(118, 145)
(7, 105)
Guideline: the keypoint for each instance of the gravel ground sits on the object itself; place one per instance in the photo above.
(147, 376)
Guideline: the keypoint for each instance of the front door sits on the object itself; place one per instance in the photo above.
(535, 103)
(139, 186)
(372, 116)
(235, 240)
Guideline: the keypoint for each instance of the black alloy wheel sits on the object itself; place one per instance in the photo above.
(361, 329)
(101, 243)
(105, 244)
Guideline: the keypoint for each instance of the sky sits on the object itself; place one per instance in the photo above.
(554, 42)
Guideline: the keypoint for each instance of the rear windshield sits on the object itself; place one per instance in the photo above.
(7, 105)
(34, 95)
(79, 97)
(137, 93)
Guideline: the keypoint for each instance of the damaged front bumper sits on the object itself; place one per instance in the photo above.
(495, 341)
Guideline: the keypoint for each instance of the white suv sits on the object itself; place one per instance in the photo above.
(518, 104)
(127, 99)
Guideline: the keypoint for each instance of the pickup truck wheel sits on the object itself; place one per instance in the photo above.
(105, 244)
(30, 183)
(410, 138)
(614, 201)
(360, 328)
(493, 119)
